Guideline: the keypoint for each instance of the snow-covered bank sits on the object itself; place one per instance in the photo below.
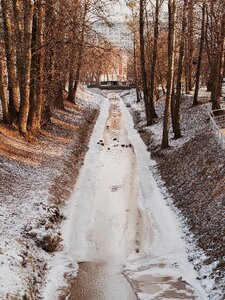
(191, 172)
(164, 254)
(56, 279)
(35, 182)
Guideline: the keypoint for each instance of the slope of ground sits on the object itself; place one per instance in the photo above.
(193, 172)
(36, 179)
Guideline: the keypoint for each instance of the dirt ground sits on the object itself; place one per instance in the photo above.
(193, 172)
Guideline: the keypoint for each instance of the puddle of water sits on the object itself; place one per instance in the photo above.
(100, 281)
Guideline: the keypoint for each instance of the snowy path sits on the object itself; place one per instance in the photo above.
(118, 217)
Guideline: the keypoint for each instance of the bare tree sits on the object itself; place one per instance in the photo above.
(149, 115)
(177, 95)
(10, 51)
(201, 48)
(170, 74)
(154, 55)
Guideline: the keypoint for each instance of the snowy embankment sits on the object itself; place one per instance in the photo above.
(162, 258)
(36, 179)
(191, 174)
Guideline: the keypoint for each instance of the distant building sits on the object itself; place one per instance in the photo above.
(119, 35)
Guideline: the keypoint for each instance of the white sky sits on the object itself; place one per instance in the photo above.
(120, 10)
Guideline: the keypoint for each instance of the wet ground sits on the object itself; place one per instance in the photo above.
(114, 217)
(107, 224)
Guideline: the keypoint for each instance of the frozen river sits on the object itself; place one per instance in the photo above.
(121, 232)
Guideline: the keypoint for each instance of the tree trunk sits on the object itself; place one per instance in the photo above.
(34, 68)
(217, 67)
(26, 69)
(154, 59)
(224, 65)
(3, 92)
(72, 95)
(177, 130)
(10, 58)
(190, 46)
(49, 63)
(198, 71)
(170, 75)
(77, 76)
(135, 67)
(71, 81)
(143, 69)
(37, 102)
(19, 31)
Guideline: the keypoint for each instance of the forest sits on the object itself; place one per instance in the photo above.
(114, 193)
(47, 46)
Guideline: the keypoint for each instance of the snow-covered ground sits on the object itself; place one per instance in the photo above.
(116, 186)
(29, 213)
(190, 175)
(116, 213)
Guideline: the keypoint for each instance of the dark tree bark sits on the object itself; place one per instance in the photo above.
(143, 67)
(170, 74)
(198, 71)
(72, 92)
(135, 66)
(37, 86)
(26, 68)
(154, 58)
(217, 67)
(177, 96)
(71, 82)
(190, 45)
(10, 49)
(49, 63)
(3, 92)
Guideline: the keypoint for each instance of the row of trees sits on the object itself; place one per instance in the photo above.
(44, 47)
(178, 45)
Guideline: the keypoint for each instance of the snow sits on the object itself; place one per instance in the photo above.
(167, 246)
(25, 201)
(157, 128)
(163, 250)
(13, 275)
(194, 123)
(162, 246)
(59, 264)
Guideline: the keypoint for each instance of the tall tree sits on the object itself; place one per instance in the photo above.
(3, 87)
(201, 48)
(10, 50)
(149, 116)
(26, 67)
(154, 56)
(217, 58)
(177, 95)
(170, 73)
(190, 46)
(73, 91)
(38, 58)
